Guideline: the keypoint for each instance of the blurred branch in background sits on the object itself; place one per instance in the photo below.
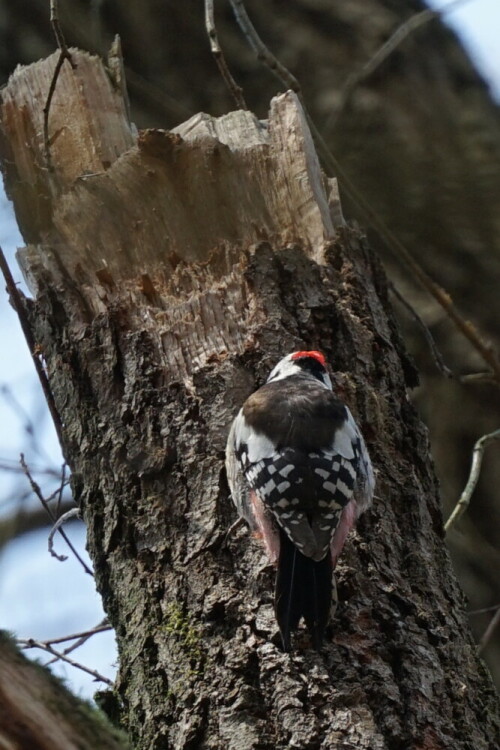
(488, 633)
(25, 520)
(402, 32)
(436, 354)
(28, 423)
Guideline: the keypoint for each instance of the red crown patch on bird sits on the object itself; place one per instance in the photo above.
(314, 354)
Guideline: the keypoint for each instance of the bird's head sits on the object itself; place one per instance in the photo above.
(311, 363)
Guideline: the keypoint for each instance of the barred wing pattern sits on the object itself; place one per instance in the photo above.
(305, 492)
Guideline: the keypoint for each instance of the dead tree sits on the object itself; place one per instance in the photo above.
(169, 272)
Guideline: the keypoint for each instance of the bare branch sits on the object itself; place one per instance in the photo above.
(477, 459)
(478, 377)
(25, 520)
(56, 26)
(102, 627)
(495, 621)
(73, 513)
(80, 642)
(7, 464)
(401, 253)
(31, 643)
(38, 492)
(216, 50)
(260, 49)
(82, 638)
(484, 610)
(436, 354)
(16, 300)
(403, 31)
(64, 55)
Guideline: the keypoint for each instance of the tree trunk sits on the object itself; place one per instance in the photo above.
(169, 275)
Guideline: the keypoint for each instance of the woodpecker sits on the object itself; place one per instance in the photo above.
(300, 475)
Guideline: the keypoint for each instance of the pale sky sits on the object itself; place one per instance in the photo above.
(40, 597)
(477, 22)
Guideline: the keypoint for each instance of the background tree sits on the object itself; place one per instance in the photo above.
(37, 711)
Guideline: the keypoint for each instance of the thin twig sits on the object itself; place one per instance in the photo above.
(478, 377)
(31, 643)
(495, 621)
(262, 52)
(7, 464)
(477, 459)
(82, 638)
(18, 305)
(64, 54)
(100, 628)
(438, 359)
(22, 519)
(235, 90)
(385, 50)
(484, 610)
(73, 513)
(56, 26)
(38, 492)
(55, 494)
(368, 214)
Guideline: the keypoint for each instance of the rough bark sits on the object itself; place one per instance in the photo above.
(421, 139)
(167, 280)
(38, 713)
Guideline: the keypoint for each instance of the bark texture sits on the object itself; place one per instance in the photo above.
(421, 139)
(167, 281)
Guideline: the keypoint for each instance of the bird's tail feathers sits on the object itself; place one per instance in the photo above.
(303, 589)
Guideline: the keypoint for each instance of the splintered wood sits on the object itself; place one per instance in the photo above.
(159, 224)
